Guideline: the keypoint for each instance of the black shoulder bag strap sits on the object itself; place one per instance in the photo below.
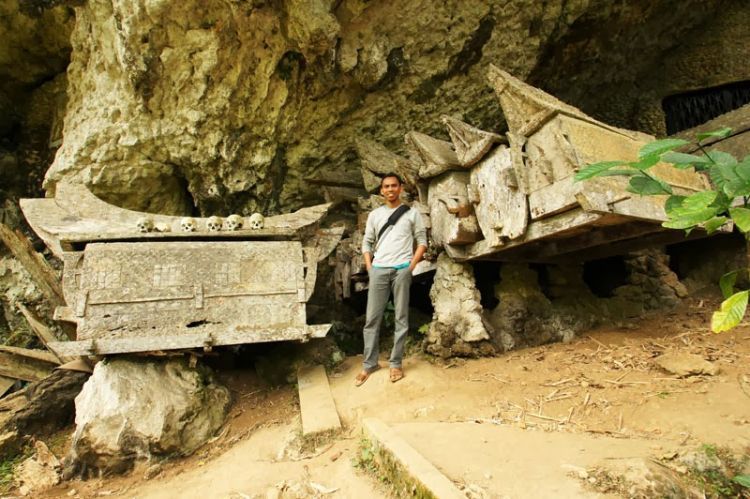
(391, 221)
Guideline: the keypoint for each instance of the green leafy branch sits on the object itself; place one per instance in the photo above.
(709, 209)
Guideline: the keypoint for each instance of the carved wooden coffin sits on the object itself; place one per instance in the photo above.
(514, 198)
(140, 296)
(172, 283)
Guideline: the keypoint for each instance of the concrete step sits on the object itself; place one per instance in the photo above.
(316, 402)
(406, 468)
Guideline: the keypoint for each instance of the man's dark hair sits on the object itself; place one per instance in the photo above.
(391, 175)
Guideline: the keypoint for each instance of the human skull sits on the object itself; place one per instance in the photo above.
(145, 224)
(214, 224)
(256, 221)
(188, 224)
(234, 222)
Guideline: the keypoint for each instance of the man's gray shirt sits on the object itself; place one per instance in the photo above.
(396, 245)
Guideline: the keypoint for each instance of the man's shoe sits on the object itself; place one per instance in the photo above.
(396, 374)
(364, 375)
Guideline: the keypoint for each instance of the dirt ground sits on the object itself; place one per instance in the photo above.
(603, 384)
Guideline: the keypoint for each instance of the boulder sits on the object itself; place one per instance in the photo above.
(134, 408)
(39, 472)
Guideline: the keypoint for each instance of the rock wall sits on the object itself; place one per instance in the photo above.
(235, 106)
(634, 55)
(34, 54)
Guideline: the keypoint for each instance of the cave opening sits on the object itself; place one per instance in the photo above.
(542, 278)
(704, 261)
(605, 275)
(486, 276)
(690, 109)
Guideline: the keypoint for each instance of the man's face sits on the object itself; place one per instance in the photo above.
(390, 189)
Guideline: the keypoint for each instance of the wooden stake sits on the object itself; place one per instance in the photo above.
(44, 276)
(5, 384)
(45, 334)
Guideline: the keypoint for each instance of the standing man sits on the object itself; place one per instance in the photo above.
(390, 258)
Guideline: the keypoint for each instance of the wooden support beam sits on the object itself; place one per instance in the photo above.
(653, 240)
(44, 276)
(26, 364)
(592, 237)
(171, 339)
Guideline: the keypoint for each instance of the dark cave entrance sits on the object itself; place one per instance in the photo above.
(605, 275)
(690, 109)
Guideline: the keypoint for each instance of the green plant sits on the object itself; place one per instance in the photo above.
(718, 477)
(365, 458)
(709, 209)
(7, 469)
(710, 450)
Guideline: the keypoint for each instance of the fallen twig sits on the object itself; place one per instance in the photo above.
(625, 383)
(586, 401)
(558, 383)
(570, 414)
(598, 342)
(547, 418)
(497, 378)
(562, 396)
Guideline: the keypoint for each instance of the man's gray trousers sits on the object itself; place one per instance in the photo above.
(382, 282)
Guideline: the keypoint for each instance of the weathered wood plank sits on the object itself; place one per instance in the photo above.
(26, 364)
(76, 217)
(470, 143)
(161, 339)
(736, 143)
(316, 401)
(555, 226)
(44, 276)
(31, 354)
(594, 237)
(451, 214)
(437, 155)
(501, 205)
(5, 384)
(45, 334)
(653, 240)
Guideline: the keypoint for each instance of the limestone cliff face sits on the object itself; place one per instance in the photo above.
(34, 53)
(235, 105)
